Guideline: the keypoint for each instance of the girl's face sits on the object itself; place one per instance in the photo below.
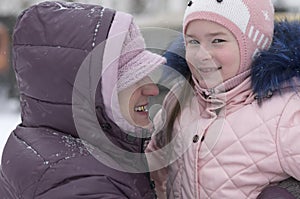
(212, 53)
(134, 100)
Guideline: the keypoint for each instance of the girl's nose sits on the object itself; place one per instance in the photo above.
(150, 89)
(203, 54)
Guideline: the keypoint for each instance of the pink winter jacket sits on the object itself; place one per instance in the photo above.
(233, 153)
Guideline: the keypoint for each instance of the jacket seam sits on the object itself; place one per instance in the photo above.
(278, 151)
(45, 170)
(38, 155)
(49, 167)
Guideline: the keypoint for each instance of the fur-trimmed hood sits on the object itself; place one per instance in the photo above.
(278, 66)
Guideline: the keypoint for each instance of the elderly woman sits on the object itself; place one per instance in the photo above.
(84, 80)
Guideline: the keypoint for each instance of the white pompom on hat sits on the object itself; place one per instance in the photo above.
(250, 21)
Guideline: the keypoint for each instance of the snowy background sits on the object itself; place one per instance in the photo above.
(9, 118)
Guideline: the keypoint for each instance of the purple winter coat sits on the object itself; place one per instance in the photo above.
(52, 154)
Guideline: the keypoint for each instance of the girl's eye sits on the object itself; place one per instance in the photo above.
(193, 42)
(218, 40)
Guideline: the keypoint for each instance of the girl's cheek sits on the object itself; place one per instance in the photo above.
(191, 59)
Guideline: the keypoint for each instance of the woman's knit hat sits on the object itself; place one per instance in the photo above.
(135, 61)
(250, 21)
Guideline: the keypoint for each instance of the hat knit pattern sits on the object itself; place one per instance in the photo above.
(135, 62)
(250, 21)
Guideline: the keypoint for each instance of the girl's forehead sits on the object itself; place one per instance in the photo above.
(205, 27)
(206, 23)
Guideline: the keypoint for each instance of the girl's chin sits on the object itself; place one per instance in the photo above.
(207, 85)
(208, 81)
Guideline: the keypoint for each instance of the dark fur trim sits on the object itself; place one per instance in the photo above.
(175, 55)
(277, 66)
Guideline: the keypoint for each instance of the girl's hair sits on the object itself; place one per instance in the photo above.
(172, 112)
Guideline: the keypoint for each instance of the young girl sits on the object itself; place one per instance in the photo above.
(238, 130)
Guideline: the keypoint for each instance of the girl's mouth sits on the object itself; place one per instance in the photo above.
(142, 108)
(208, 70)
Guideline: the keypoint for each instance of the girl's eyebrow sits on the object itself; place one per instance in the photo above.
(189, 36)
(217, 34)
(210, 34)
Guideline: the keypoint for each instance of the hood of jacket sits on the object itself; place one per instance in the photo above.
(66, 62)
(279, 66)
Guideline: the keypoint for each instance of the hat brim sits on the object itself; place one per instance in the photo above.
(143, 64)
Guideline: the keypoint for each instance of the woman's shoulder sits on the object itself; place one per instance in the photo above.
(36, 160)
(33, 151)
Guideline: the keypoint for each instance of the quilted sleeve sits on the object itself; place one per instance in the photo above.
(288, 137)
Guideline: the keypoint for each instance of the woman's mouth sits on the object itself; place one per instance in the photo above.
(142, 108)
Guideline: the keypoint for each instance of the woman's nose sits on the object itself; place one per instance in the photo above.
(150, 89)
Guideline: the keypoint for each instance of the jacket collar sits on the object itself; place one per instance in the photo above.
(214, 100)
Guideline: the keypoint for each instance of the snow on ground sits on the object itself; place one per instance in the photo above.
(9, 119)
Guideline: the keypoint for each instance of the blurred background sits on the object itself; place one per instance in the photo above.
(166, 14)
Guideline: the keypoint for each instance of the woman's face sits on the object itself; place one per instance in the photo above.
(134, 101)
(212, 52)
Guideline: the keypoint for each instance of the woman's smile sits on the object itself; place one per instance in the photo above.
(134, 101)
(142, 108)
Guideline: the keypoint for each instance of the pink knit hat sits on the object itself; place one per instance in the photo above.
(136, 62)
(250, 21)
